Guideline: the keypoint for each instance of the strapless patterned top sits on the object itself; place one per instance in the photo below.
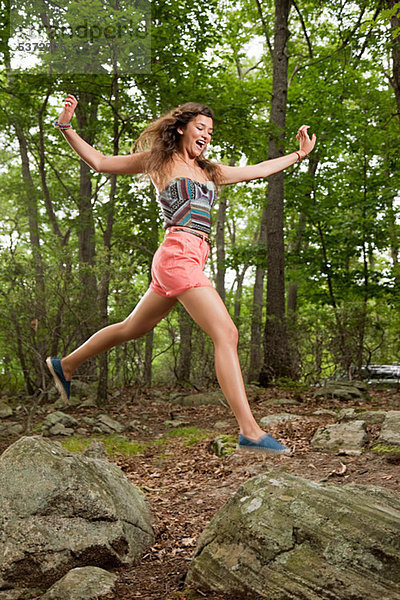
(188, 203)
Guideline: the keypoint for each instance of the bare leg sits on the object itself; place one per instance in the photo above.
(204, 304)
(147, 313)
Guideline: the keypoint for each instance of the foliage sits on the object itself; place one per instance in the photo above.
(341, 205)
(115, 444)
(192, 435)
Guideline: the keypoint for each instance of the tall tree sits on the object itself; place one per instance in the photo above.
(277, 357)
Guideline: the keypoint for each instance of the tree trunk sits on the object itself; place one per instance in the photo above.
(39, 309)
(295, 249)
(220, 241)
(104, 286)
(185, 348)
(240, 274)
(256, 317)
(277, 358)
(395, 79)
(152, 240)
(220, 244)
(86, 113)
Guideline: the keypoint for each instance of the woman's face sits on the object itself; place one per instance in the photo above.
(196, 135)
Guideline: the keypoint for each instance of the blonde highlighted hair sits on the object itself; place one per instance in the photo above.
(161, 139)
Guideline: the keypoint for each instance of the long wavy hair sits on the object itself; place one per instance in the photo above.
(161, 139)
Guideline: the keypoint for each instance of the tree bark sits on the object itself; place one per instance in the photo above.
(258, 301)
(277, 358)
(153, 243)
(220, 241)
(220, 244)
(86, 113)
(185, 347)
(296, 247)
(39, 309)
(395, 79)
(104, 285)
(240, 274)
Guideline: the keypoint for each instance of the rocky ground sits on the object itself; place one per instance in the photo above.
(186, 483)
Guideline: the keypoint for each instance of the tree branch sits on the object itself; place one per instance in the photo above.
(264, 26)
(303, 25)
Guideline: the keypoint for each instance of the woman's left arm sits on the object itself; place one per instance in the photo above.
(269, 167)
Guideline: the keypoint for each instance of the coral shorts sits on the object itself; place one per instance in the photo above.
(178, 264)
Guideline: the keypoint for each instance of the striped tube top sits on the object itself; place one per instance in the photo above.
(187, 203)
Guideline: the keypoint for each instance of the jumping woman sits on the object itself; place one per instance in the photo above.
(172, 152)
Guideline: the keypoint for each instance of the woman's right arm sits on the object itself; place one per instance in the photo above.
(118, 165)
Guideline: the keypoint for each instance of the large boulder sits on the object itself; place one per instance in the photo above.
(282, 537)
(60, 510)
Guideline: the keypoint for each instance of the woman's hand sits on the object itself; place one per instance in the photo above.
(306, 145)
(70, 105)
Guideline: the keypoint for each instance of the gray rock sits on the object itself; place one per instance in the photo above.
(343, 390)
(60, 510)
(60, 417)
(60, 429)
(253, 389)
(89, 421)
(348, 438)
(82, 583)
(110, 424)
(282, 537)
(82, 388)
(10, 428)
(326, 411)
(282, 402)
(21, 593)
(272, 420)
(372, 417)
(102, 429)
(390, 432)
(82, 431)
(216, 398)
(88, 403)
(175, 423)
(223, 445)
(221, 425)
(5, 410)
(96, 449)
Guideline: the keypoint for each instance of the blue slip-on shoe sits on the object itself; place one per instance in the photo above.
(266, 444)
(62, 384)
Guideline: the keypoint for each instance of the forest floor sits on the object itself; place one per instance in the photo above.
(186, 483)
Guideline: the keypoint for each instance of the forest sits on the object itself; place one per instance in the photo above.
(307, 261)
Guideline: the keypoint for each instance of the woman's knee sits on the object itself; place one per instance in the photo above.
(228, 334)
(127, 330)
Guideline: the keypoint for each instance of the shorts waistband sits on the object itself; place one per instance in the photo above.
(203, 236)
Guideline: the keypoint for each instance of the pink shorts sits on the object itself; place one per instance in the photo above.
(178, 264)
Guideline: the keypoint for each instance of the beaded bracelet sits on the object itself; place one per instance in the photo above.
(299, 157)
(58, 125)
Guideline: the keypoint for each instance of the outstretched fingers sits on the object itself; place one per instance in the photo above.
(306, 144)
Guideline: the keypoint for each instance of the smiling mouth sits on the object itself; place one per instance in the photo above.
(200, 144)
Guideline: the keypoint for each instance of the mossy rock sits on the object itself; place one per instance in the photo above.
(224, 445)
(283, 537)
(216, 398)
